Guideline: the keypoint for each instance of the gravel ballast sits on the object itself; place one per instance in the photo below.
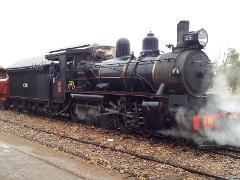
(18, 124)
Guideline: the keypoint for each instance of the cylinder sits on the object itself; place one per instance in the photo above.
(151, 106)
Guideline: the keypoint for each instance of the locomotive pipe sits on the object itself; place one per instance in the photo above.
(160, 90)
(87, 97)
(182, 28)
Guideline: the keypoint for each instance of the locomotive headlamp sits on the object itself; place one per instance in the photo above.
(202, 37)
(199, 37)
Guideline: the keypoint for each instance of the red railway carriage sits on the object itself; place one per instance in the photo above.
(3, 84)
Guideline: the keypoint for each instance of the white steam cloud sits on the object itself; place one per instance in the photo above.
(227, 131)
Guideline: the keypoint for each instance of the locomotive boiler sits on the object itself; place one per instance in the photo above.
(185, 70)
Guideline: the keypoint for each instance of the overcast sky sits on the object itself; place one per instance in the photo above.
(32, 28)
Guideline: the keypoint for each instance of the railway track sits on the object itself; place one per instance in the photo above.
(232, 149)
(232, 152)
(124, 151)
(229, 151)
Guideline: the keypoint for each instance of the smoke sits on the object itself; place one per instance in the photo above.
(226, 130)
(86, 112)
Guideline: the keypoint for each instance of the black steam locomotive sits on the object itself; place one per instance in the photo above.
(110, 87)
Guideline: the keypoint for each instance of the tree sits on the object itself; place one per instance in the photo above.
(231, 68)
(232, 57)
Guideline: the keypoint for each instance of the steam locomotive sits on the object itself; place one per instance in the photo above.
(110, 87)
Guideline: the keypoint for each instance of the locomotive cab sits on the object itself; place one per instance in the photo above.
(74, 63)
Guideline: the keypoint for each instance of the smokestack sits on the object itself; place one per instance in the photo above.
(182, 28)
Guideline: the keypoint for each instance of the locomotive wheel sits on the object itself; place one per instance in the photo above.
(29, 108)
(35, 109)
(90, 121)
(122, 125)
(19, 107)
(106, 122)
(91, 117)
(3, 105)
(6, 106)
(184, 117)
(73, 114)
